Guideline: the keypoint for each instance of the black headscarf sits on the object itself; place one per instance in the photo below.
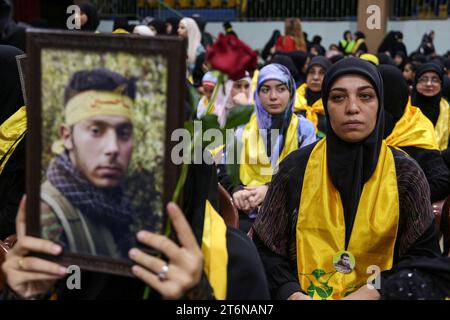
(273, 39)
(299, 59)
(402, 55)
(11, 98)
(321, 61)
(174, 22)
(159, 26)
(10, 33)
(286, 61)
(389, 44)
(428, 105)
(350, 165)
(385, 59)
(311, 96)
(91, 13)
(396, 95)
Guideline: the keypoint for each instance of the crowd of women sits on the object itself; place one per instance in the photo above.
(345, 186)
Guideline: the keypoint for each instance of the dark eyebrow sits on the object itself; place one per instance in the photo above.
(365, 87)
(359, 89)
(339, 89)
(277, 86)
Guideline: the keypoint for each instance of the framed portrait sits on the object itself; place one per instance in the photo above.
(101, 110)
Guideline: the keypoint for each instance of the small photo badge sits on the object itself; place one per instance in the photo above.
(344, 262)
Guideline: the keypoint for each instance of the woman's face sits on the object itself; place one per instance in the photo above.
(352, 108)
(169, 28)
(314, 78)
(208, 91)
(274, 96)
(408, 73)
(182, 31)
(398, 60)
(153, 29)
(429, 84)
(83, 19)
(240, 86)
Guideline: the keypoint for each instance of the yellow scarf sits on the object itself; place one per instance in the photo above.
(255, 168)
(12, 132)
(413, 130)
(301, 104)
(321, 227)
(214, 249)
(443, 124)
(357, 45)
(120, 31)
(255, 80)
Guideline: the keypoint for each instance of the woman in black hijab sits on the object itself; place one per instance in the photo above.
(267, 53)
(427, 95)
(172, 26)
(12, 163)
(389, 44)
(407, 128)
(158, 26)
(318, 209)
(299, 58)
(309, 95)
(90, 18)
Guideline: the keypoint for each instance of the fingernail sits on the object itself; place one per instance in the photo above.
(135, 269)
(133, 253)
(62, 270)
(56, 249)
(141, 235)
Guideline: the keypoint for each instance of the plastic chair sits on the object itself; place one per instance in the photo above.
(228, 210)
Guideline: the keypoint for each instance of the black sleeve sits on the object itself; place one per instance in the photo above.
(246, 277)
(280, 275)
(436, 171)
(423, 258)
(12, 188)
(418, 236)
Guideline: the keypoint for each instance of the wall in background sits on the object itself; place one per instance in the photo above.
(256, 34)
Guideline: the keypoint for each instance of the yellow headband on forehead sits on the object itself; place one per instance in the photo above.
(93, 103)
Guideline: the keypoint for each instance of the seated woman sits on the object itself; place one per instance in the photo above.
(347, 206)
(406, 127)
(427, 95)
(13, 126)
(309, 95)
(261, 147)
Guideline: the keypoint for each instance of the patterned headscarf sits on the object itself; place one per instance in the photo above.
(267, 121)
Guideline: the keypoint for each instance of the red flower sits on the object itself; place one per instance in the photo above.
(231, 56)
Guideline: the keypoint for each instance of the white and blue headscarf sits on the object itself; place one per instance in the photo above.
(267, 121)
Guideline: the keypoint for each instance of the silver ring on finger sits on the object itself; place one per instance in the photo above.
(162, 275)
